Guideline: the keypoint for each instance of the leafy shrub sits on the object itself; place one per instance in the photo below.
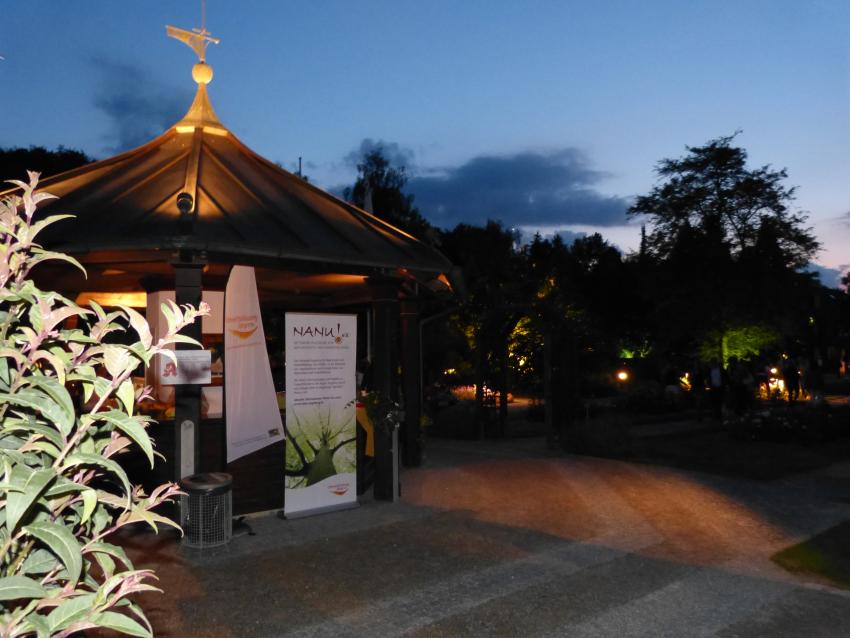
(62, 491)
(783, 423)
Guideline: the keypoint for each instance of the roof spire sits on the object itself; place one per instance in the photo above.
(200, 114)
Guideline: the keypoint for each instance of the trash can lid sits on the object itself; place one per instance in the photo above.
(206, 483)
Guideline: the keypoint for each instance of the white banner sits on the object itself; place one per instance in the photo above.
(253, 418)
(321, 448)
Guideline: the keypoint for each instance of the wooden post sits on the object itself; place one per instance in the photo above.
(548, 393)
(411, 355)
(187, 398)
(384, 367)
(503, 390)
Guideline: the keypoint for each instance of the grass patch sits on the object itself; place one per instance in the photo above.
(824, 558)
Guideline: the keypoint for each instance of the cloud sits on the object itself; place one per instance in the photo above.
(525, 189)
(398, 156)
(138, 108)
(829, 277)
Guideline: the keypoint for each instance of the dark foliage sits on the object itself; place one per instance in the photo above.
(15, 162)
(383, 185)
(725, 249)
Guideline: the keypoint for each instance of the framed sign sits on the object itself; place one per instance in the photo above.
(191, 368)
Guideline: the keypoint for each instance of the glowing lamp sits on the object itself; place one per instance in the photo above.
(622, 375)
(112, 299)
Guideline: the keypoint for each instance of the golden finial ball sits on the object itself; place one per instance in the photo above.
(202, 73)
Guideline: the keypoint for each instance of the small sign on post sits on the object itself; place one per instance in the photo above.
(191, 368)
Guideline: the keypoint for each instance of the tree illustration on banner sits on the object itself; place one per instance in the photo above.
(317, 449)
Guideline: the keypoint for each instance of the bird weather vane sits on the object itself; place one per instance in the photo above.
(197, 39)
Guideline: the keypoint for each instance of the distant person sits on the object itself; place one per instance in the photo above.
(716, 387)
(698, 389)
(740, 383)
(816, 383)
(805, 376)
(791, 377)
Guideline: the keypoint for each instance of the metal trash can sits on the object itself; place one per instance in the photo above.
(206, 509)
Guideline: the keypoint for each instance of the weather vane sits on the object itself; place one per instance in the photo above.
(196, 39)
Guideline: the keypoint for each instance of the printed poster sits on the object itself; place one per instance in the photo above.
(253, 419)
(212, 326)
(321, 428)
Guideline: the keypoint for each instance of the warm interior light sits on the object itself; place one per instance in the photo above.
(132, 299)
(185, 129)
(215, 130)
(445, 281)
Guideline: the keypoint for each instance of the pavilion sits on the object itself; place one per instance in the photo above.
(178, 212)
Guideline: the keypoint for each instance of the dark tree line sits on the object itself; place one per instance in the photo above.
(15, 162)
(719, 272)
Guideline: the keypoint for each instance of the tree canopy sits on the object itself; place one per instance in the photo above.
(726, 247)
(383, 184)
(15, 162)
(711, 192)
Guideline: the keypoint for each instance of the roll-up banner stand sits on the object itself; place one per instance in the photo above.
(321, 429)
(253, 419)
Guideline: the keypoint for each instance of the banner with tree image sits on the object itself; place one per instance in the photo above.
(321, 429)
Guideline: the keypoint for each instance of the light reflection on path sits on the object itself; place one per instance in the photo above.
(670, 514)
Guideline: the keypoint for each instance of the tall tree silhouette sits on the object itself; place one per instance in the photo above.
(727, 245)
(492, 270)
(383, 184)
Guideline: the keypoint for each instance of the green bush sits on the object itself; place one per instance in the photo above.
(62, 493)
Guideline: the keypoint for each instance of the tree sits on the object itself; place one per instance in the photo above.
(17, 161)
(492, 272)
(725, 249)
(711, 192)
(63, 493)
(584, 306)
(384, 186)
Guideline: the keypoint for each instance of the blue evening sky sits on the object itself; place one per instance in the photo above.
(544, 114)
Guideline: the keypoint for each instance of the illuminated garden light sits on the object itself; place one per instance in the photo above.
(622, 375)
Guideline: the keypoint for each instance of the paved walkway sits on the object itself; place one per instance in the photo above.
(504, 539)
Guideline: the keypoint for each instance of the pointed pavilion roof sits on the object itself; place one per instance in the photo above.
(244, 208)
